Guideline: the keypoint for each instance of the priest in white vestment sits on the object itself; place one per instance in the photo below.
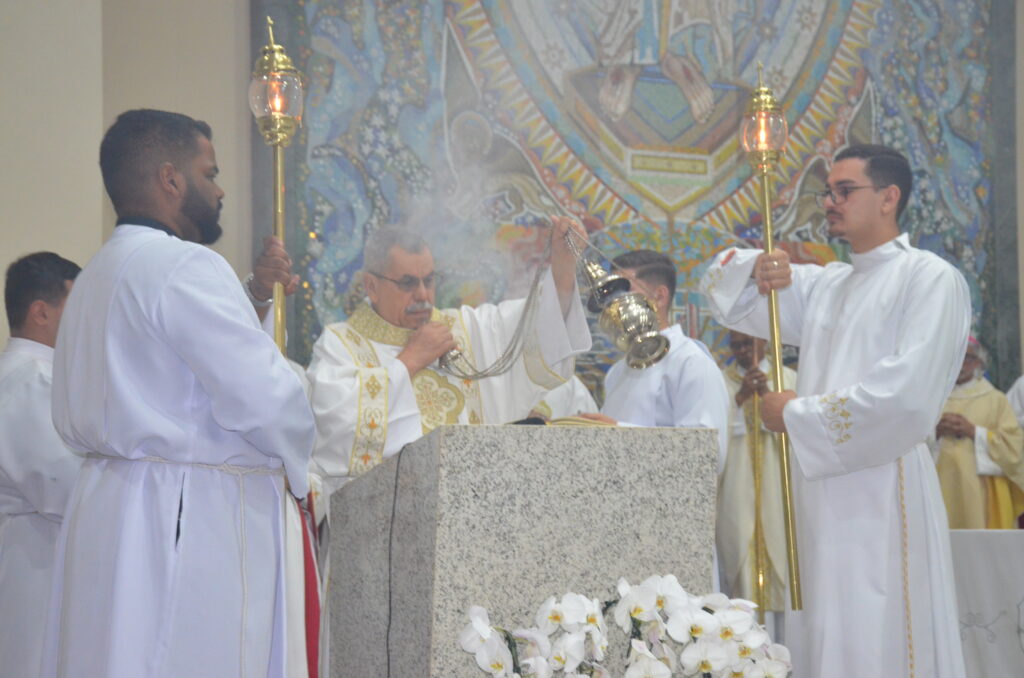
(375, 382)
(683, 389)
(37, 471)
(734, 525)
(881, 342)
(170, 561)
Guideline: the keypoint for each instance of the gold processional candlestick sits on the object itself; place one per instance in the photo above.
(764, 136)
(275, 98)
(757, 460)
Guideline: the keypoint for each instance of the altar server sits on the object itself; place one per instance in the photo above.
(170, 559)
(685, 388)
(881, 341)
(37, 471)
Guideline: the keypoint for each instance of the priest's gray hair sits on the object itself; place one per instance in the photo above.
(377, 251)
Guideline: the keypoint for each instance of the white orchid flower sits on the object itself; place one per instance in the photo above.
(477, 631)
(733, 623)
(550, 616)
(537, 666)
(692, 624)
(638, 602)
(671, 595)
(661, 651)
(598, 646)
(744, 604)
(643, 663)
(703, 656)
(494, 657)
(567, 651)
(755, 638)
(715, 601)
(779, 653)
(772, 668)
(583, 614)
(537, 643)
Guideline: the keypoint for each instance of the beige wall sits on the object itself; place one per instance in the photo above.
(76, 65)
(51, 195)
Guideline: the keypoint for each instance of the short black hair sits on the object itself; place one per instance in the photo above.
(650, 266)
(885, 167)
(140, 140)
(36, 276)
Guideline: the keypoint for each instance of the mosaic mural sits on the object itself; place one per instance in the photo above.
(476, 119)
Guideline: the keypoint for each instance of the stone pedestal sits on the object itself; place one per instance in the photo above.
(504, 517)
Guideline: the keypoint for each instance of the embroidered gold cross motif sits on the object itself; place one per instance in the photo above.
(837, 418)
(373, 386)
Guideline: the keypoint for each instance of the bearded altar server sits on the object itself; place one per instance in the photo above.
(979, 451)
(746, 377)
(685, 388)
(881, 341)
(170, 558)
(37, 471)
(375, 382)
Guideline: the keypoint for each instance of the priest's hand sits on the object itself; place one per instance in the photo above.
(754, 381)
(425, 345)
(597, 416)
(954, 426)
(771, 410)
(772, 271)
(563, 261)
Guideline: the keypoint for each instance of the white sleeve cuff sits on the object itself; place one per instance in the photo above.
(986, 467)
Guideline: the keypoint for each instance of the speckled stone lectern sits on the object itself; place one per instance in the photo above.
(503, 517)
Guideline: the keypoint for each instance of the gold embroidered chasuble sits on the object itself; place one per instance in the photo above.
(441, 399)
(976, 501)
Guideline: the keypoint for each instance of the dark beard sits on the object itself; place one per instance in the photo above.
(205, 218)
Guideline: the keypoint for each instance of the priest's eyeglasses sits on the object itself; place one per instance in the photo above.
(839, 194)
(410, 283)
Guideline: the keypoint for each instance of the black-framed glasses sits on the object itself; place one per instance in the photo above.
(410, 283)
(839, 194)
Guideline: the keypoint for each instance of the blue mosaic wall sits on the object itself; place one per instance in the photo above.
(476, 119)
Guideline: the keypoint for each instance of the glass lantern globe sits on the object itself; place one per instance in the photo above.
(764, 131)
(276, 93)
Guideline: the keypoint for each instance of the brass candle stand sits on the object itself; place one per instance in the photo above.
(275, 98)
(764, 136)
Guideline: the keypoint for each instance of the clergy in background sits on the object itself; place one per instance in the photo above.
(685, 388)
(881, 342)
(37, 471)
(734, 524)
(171, 558)
(980, 451)
(375, 383)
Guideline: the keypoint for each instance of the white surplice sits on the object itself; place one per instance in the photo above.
(367, 407)
(37, 472)
(881, 343)
(683, 389)
(170, 559)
